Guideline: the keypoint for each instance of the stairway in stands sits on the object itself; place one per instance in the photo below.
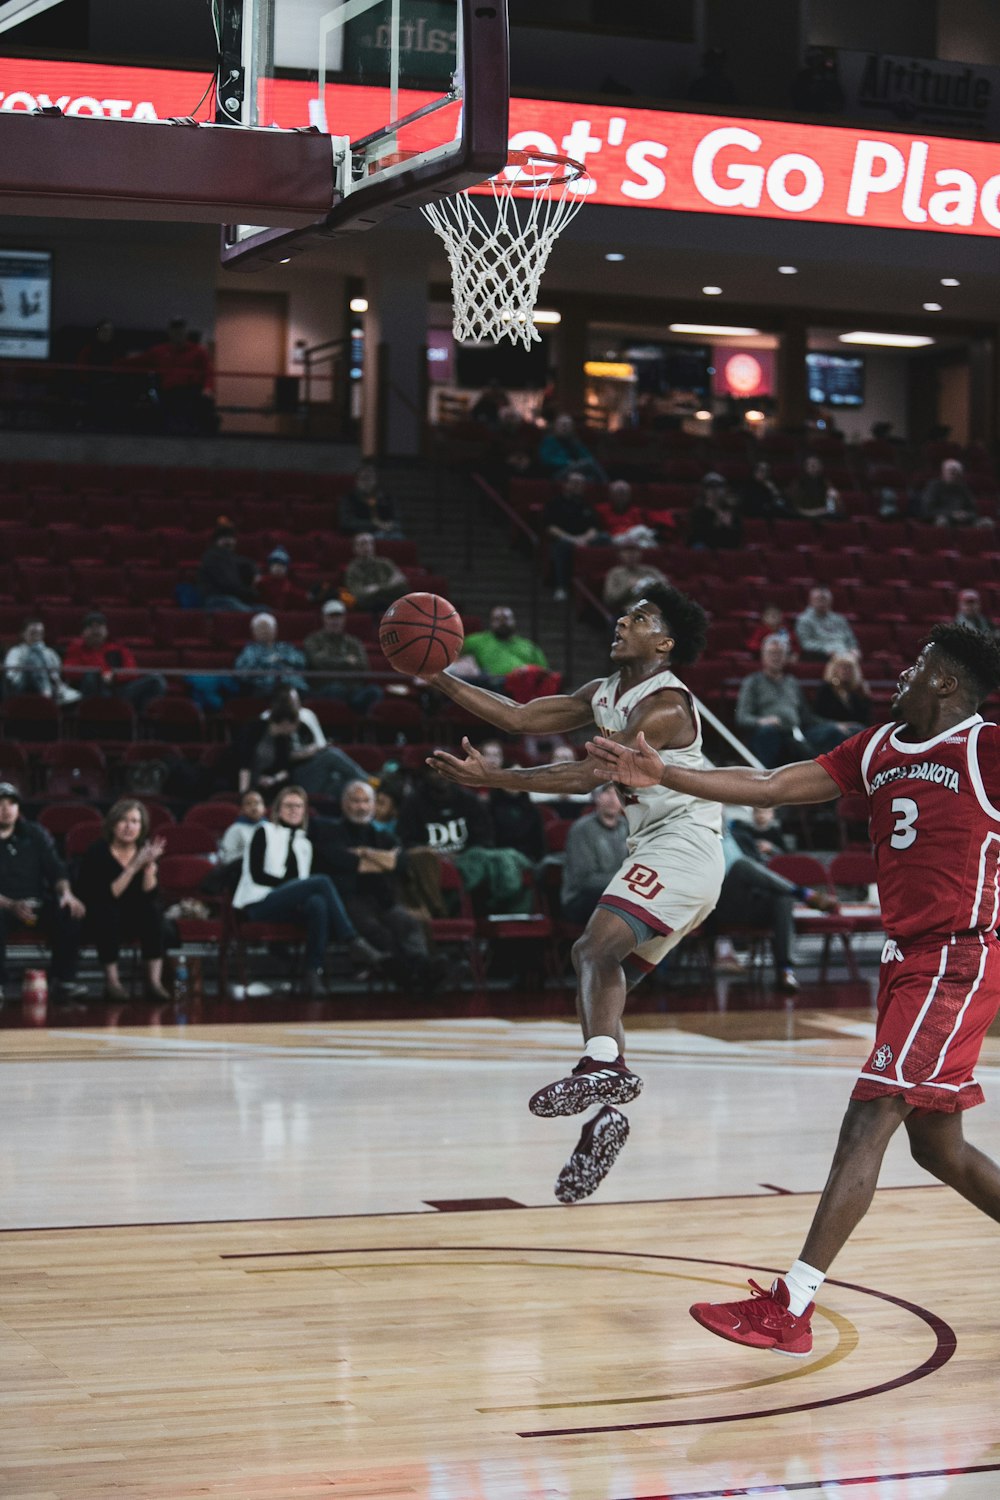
(434, 509)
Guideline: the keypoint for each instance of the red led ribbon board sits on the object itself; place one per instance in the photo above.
(637, 158)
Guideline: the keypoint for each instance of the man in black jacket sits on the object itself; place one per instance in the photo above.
(226, 579)
(363, 861)
(35, 890)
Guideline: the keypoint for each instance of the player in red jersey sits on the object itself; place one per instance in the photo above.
(932, 779)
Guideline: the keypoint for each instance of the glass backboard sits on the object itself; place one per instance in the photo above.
(412, 93)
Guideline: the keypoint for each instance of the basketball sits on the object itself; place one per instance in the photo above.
(421, 634)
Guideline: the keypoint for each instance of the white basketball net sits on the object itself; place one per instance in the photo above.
(498, 246)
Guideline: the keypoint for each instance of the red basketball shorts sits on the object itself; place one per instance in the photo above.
(936, 1002)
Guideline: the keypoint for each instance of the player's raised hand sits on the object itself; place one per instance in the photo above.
(472, 771)
(629, 765)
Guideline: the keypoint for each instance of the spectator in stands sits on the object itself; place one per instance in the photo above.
(489, 655)
(561, 452)
(713, 84)
(626, 581)
(35, 891)
(237, 836)
(567, 804)
(760, 497)
(517, 823)
(570, 523)
(288, 744)
(452, 821)
(843, 696)
(754, 896)
(105, 390)
(772, 622)
(276, 886)
(185, 379)
(437, 814)
(225, 579)
(268, 663)
(816, 89)
(364, 863)
(596, 846)
(513, 454)
(971, 614)
(101, 668)
(948, 501)
(33, 667)
(811, 495)
(772, 713)
(373, 581)
(621, 519)
(492, 401)
(820, 631)
(388, 796)
(331, 649)
(118, 880)
(367, 507)
(276, 589)
(715, 520)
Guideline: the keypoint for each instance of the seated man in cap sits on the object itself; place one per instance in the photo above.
(225, 579)
(331, 649)
(35, 890)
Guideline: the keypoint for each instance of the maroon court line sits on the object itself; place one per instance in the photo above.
(946, 1343)
(804, 1486)
(946, 1340)
(418, 1213)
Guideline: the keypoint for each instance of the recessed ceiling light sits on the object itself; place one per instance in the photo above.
(932, 307)
(703, 416)
(888, 340)
(712, 291)
(722, 329)
(788, 270)
(754, 416)
(544, 315)
(614, 255)
(950, 281)
(359, 304)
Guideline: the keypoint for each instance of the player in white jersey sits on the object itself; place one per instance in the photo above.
(671, 879)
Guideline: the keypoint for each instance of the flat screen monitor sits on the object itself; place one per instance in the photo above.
(25, 303)
(836, 379)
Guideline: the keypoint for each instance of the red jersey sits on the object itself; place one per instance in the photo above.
(934, 823)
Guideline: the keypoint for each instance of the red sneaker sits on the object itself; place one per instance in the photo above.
(763, 1321)
(594, 1154)
(590, 1082)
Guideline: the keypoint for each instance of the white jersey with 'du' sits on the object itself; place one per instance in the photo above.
(655, 811)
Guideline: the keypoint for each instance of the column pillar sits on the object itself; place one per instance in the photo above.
(395, 379)
(793, 388)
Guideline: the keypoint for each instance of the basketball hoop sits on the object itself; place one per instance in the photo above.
(498, 254)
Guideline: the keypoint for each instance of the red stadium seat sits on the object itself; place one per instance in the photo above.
(188, 838)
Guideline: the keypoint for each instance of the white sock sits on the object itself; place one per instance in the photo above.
(803, 1282)
(601, 1049)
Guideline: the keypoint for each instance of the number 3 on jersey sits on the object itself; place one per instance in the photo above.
(904, 832)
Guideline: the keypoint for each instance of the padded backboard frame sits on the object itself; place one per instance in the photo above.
(480, 147)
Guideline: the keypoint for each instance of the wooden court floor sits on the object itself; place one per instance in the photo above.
(324, 1260)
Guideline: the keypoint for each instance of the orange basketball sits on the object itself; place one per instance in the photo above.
(421, 634)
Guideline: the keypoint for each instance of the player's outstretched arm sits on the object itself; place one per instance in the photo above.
(552, 715)
(639, 765)
(569, 776)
